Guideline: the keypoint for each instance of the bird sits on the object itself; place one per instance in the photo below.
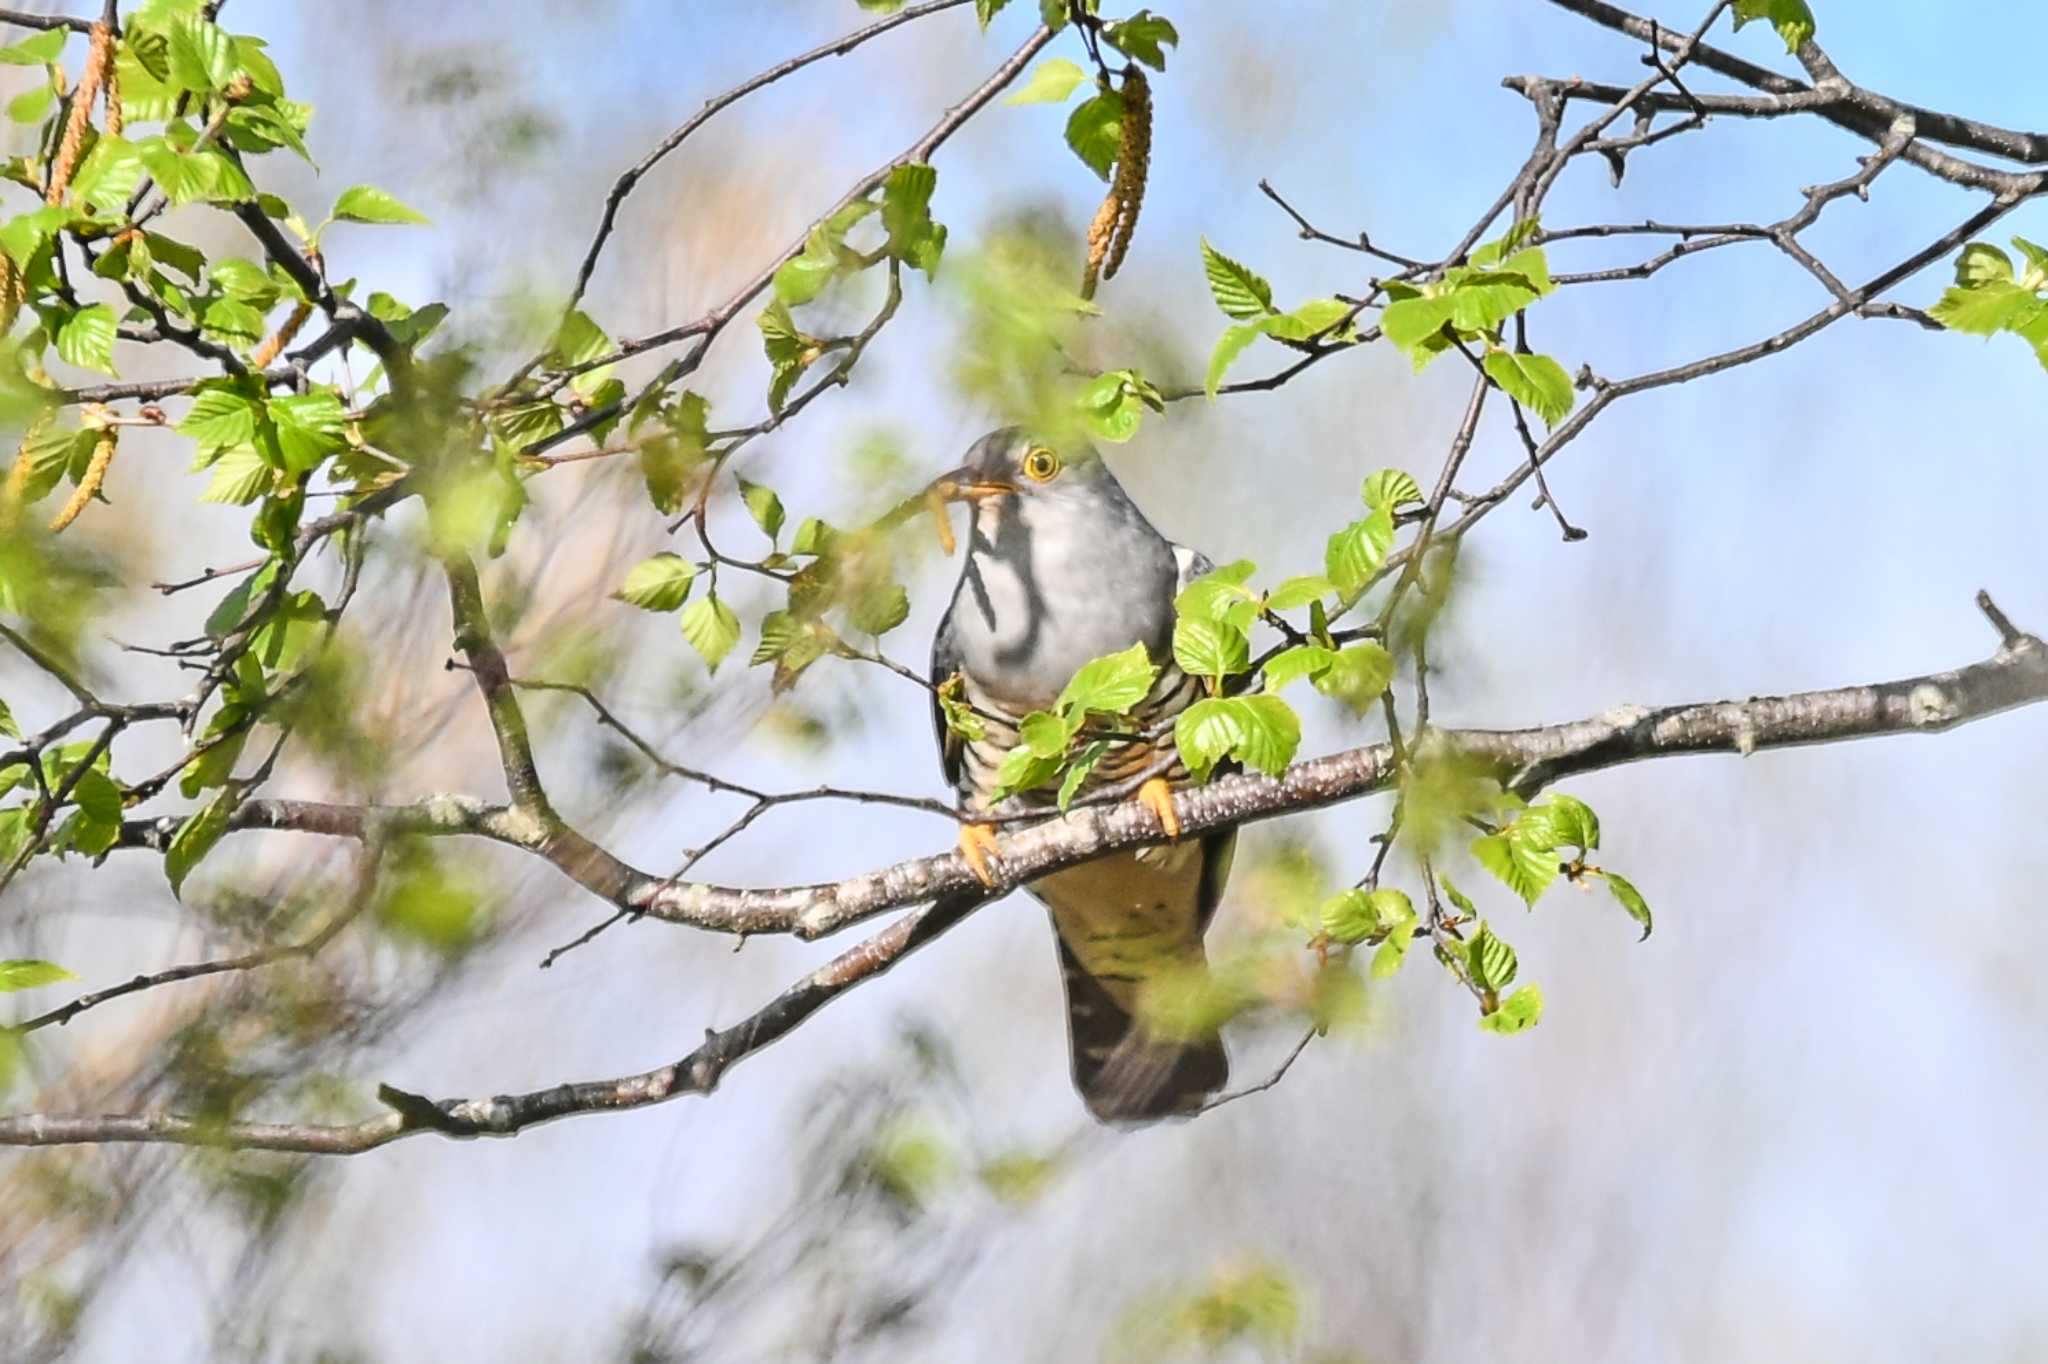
(1062, 568)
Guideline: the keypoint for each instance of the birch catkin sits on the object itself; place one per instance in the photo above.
(1109, 235)
(95, 475)
(264, 354)
(1133, 163)
(98, 63)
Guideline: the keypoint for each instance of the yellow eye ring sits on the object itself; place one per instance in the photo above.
(1041, 465)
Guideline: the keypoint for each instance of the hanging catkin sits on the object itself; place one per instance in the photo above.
(98, 62)
(95, 475)
(1109, 235)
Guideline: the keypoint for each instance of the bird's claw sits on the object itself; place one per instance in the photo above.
(977, 842)
(1156, 796)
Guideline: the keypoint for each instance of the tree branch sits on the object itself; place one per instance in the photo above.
(2016, 675)
(506, 1115)
(1524, 759)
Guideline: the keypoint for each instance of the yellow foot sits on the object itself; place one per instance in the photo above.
(977, 841)
(1157, 797)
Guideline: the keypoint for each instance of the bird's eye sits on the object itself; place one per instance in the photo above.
(1041, 464)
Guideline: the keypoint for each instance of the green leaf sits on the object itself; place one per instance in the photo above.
(1572, 822)
(1210, 596)
(2037, 262)
(1207, 648)
(985, 10)
(1630, 900)
(243, 279)
(1238, 289)
(32, 105)
(1391, 488)
(1409, 321)
(1291, 665)
(1517, 1013)
(1112, 405)
(803, 277)
(906, 215)
(1229, 346)
(1095, 130)
(1397, 922)
(28, 973)
(577, 341)
(196, 838)
(1490, 960)
(1051, 83)
(233, 321)
(1458, 898)
(1392, 951)
(764, 506)
(41, 50)
(1358, 675)
(659, 583)
(240, 476)
(86, 338)
(1053, 14)
(1110, 685)
(712, 629)
(1349, 916)
(880, 609)
(1792, 18)
(1983, 308)
(1530, 265)
(109, 175)
(368, 204)
(1078, 770)
(1520, 864)
(309, 428)
(1356, 552)
(220, 418)
(1140, 37)
(1044, 733)
(1260, 731)
(195, 176)
(1537, 382)
(1352, 916)
(1024, 769)
(8, 726)
(202, 57)
(1311, 319)
(1299, 591)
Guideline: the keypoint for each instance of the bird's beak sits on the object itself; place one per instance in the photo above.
(961, 485)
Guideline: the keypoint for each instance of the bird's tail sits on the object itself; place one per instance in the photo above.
(1125, 1074)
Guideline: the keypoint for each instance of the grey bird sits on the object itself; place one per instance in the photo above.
(1062, 568)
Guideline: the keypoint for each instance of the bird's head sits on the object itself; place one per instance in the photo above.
(1012, 471)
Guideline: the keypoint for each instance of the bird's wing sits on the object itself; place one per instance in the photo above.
(1122, 921)
(946, 662)
(1192, 564)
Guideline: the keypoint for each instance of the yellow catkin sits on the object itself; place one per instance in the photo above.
(10, 293)
(1099, 233)
(15, 492)
(96, 65)
(1133, 163)
(1109, 235)
(111, 79)
(16, 487)
(95, 474)
(282, 337)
